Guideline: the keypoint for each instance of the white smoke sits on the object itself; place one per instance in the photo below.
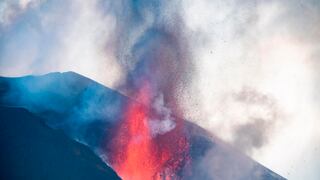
(273, 48)
(37, 37)
(166, 122)
(9, 10)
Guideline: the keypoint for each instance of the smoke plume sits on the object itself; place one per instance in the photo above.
(214, 47)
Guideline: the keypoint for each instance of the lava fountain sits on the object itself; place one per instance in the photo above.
(136, 153)
(151, 45)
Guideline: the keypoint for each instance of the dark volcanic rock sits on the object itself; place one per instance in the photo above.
(31, 150)
(84, 109)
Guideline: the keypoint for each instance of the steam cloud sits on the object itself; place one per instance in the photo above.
(166, 123)
(9, 10)
(241, 43)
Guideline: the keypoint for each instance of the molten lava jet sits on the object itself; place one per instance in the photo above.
(136, 154)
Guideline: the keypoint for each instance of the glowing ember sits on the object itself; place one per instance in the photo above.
(136, 155)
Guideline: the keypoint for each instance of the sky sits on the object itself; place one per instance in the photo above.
(255, 67)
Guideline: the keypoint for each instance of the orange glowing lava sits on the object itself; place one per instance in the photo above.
(136, 155)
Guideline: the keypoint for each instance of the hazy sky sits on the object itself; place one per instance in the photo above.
(256, 67)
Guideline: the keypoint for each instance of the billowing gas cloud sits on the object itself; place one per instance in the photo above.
(272, 49)
(9, 10)
(166, 122)
(150, 43)
(266, 49)
(57, 35)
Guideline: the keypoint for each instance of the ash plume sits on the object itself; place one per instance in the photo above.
(150, 44)
(149, 41)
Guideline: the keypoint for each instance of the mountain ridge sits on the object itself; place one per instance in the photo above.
(96, 109)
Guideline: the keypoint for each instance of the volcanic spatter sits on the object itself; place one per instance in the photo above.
(137, 153)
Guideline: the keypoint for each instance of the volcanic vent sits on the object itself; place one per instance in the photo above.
(148, 144)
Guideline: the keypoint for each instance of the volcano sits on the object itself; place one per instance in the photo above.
(113, 126)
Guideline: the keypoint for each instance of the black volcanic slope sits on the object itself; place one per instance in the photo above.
(87, 111)
(31, 150)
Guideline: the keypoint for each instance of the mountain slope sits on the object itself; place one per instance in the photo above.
(31, 150)
(88, 112)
